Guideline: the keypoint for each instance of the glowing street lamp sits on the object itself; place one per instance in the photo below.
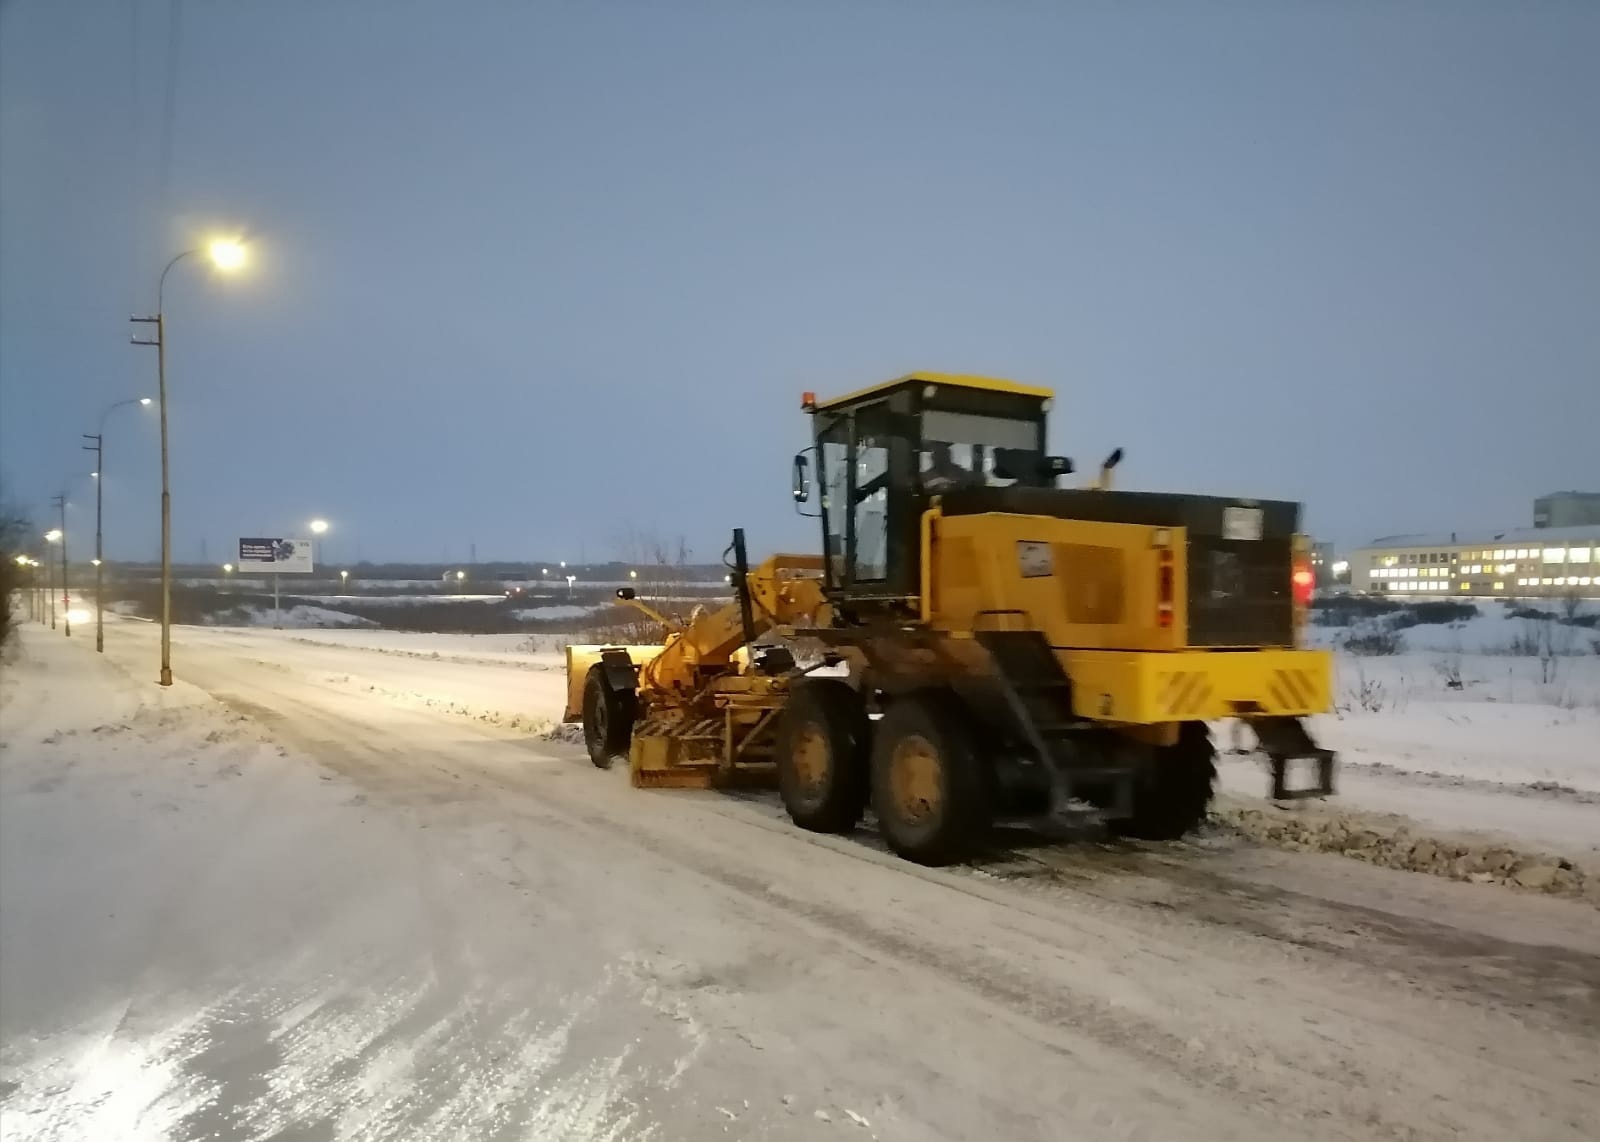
(319, 527)
(226, 255)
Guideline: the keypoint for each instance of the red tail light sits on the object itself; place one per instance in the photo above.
(1304, 581)
(1165, 589)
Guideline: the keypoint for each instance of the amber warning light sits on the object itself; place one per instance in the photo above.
(808, 401)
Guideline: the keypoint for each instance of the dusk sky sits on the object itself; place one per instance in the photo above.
(529, 276)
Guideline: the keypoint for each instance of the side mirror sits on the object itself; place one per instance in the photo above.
(802, 480)
(626, 593)
(1055, 466)
(1113, 460)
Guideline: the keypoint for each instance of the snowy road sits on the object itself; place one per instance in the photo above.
(298, 898)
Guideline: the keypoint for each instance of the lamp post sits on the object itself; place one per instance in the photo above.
(227, 256)
(35, 588)
(66, 585)
(99, 450)
(54, 535)
(27, 564)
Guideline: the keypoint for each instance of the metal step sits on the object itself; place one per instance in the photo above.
(1286, 740)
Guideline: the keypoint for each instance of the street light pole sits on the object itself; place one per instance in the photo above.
(99, 450)
(225, 255)
(66, 586)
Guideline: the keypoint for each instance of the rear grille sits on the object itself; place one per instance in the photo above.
(1239, 592)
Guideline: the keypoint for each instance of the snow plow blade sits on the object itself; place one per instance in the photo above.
(581, 658)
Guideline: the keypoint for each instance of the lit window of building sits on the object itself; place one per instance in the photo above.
(1555, 555)
(1577, 555)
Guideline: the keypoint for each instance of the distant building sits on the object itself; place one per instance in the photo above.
(1322, 563)
(1567, 509)
(1537, 562)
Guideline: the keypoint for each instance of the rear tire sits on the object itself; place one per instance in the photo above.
(1173, 793)
(929, 788)
(607, 718)
(822, 756)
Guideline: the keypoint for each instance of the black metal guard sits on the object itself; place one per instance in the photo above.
(741, 586)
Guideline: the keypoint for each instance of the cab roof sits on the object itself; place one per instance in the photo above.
(955, 380)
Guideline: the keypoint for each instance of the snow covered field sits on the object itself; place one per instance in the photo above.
(337, 885)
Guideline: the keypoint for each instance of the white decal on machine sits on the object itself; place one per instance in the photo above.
(1034, 559)
(1241, 523)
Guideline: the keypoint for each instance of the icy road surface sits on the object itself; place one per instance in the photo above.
(292, 899)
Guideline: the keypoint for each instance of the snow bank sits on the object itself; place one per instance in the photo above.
(1395, 842)
(299, 615)
(543, 614)
(401, 600)
(1494, 632)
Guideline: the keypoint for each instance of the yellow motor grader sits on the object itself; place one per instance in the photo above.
(976, 643)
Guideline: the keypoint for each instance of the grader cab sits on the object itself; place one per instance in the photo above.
(977, 643)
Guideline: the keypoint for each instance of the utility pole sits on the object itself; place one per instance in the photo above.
(66, 587)
(99, 450)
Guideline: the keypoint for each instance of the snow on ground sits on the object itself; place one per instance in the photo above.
(1534, 782)
(544, 614)
(400, 600)
(1456, 736)
(1454, 703)
(203, 936)
(297, 615)
(542, 651)
(348, 917)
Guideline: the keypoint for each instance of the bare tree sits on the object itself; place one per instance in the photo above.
(14, 531)
(658, 571)
(1571, 604)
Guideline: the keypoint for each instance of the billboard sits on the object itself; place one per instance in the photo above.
(269, 554)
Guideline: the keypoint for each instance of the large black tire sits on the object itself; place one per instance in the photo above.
(1173, 791)
(822, 746)
(607, 718)
(929, 788)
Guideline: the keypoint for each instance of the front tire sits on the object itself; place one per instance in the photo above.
(822, 756)
(1173, 793)
(929, 788)
(607, 718)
